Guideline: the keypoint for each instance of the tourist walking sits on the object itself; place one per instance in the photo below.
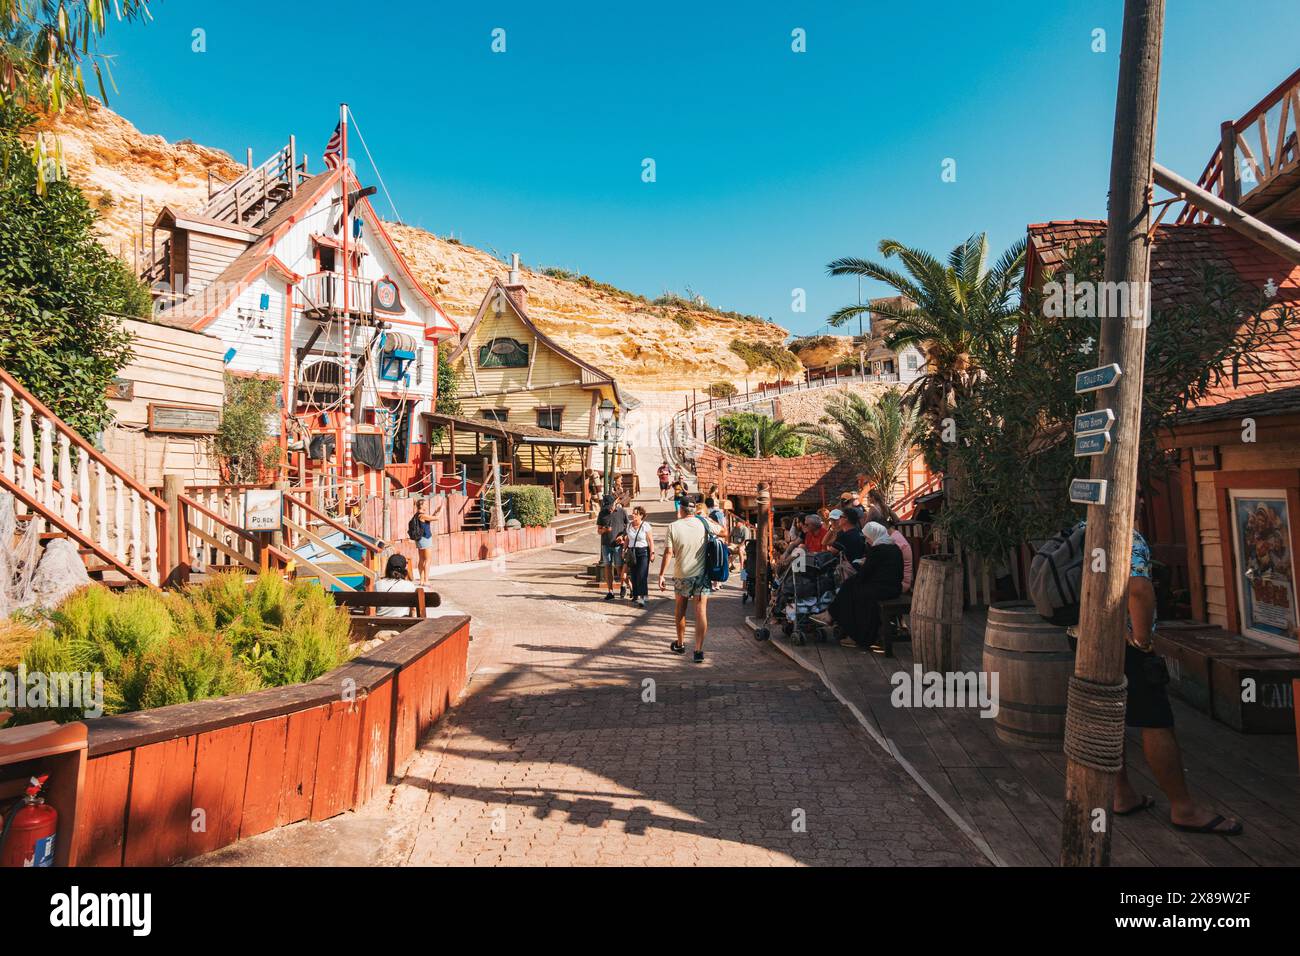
(640, 552)
(420, 530)
(612, 525)
(685, 546)
(665, 474)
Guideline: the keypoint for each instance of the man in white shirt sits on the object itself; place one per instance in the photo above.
(685, 545)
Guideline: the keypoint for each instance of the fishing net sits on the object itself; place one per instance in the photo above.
(20, 546)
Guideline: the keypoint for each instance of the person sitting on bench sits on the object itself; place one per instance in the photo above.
(856, 608)
(396, 578)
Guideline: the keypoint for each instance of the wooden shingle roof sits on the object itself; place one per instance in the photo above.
(1179, 256)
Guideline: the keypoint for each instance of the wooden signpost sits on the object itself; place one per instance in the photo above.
(1095, 379)
(1094, 738)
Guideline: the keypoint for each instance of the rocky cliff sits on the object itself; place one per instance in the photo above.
(128, 176)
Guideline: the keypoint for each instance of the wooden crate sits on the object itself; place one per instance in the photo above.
(1272, 707)
(1189, 652)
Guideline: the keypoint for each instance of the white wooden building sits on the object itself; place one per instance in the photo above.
(260, 267)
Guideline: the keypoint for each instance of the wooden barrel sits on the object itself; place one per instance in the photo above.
(935, 619)
(1033, 661)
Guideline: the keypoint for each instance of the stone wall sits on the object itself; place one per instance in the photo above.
(807, 407)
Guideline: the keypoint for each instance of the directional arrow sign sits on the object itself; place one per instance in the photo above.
(1095, 378)
(1094, 444)
(1098, 421)
(1088, 491)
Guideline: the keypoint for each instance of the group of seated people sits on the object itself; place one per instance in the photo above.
(875, 565)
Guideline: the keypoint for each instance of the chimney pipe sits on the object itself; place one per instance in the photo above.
(513, 278)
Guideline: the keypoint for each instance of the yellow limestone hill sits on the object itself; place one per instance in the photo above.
(643, 345)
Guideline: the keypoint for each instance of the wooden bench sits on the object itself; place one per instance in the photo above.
(419, 600)
(892, 612)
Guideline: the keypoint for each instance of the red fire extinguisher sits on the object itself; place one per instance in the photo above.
(27, 838)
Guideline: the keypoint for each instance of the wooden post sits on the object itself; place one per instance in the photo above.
(762, 543)
(1228, 167)
(277, 536)
(173, 487)
(1099, 664)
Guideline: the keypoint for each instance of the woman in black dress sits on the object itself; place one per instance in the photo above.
(856, 608)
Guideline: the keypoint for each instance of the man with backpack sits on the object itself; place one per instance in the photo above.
(695, 545)
(1055, 583)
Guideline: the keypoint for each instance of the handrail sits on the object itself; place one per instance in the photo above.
(1288, 93)
(65, 429)
(223, 522)
(67, 527)
(350, 532)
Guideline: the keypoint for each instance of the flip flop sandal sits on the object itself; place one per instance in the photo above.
(1146, 803)
(1211, 827)
(677, 647)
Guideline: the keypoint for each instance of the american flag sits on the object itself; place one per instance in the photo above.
(334, 148)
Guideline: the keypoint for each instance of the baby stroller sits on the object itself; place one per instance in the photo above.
(799, 594)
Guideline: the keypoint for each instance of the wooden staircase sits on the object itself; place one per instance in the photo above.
(570, 526)
(63, 487)
(248, 201)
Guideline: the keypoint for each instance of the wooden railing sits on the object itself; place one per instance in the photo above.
(297, 524)
(1259, 147)
(323, 291)
(248, 199)
(215, 541)
(58, 478)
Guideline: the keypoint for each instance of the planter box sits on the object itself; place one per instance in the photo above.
(264, 759)
(1269, 685)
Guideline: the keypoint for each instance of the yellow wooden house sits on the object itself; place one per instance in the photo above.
(550, 402)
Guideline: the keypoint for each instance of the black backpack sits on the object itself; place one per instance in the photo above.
(415, 527)
(716, 555)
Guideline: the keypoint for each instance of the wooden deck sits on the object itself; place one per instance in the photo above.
(1013, 797)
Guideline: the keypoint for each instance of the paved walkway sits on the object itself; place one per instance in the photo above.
(583, 740)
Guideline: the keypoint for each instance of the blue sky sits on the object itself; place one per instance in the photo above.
(769, 163)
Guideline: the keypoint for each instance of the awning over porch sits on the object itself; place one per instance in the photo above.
(514, 432)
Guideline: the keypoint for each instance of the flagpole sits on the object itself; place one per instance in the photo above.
(347, 318)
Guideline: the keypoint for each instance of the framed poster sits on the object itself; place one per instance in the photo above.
(1264, 568)
(262, 509)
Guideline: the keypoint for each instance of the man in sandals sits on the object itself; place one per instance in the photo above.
(1148, 709)
(685, 545)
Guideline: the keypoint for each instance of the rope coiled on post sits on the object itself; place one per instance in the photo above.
(1094, 724)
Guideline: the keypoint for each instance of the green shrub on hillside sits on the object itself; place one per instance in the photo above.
(764, 355)
(721, 390)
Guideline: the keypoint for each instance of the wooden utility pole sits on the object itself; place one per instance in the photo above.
(762, 543)
(1095, 721)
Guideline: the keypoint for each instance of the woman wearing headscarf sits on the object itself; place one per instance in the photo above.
(856, 608)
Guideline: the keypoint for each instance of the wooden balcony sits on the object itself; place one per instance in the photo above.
(1262, 175)
(320, 296)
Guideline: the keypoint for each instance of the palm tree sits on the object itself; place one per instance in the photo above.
(959, 314)
(877, 440)
(758, 436)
